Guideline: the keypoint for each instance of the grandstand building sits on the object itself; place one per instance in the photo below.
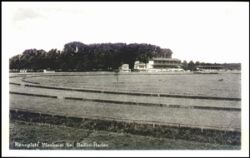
(159, 64)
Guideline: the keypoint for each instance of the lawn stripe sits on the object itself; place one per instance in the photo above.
(35, 95)
(154, 104)
(135, 93)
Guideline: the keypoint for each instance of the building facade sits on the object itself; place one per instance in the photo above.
(159, 64)
(140, 66)
(166, 63)
(124, 68)
(210, 67)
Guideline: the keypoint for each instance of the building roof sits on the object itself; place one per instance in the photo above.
(139, 63)
(204, 66)
(166, 59)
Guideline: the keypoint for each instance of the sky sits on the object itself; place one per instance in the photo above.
(198, 31)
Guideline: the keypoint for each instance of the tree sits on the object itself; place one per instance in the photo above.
(81, 57)
(52, 58)
(185, 65)
(15, 62)
(197, 63)
(191, 66)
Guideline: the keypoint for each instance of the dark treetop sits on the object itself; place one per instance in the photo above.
(77, 56)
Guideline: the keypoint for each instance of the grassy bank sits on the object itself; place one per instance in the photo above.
(25, 133)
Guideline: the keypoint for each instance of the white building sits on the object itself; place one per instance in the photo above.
(150, 64)
(23, 71)
(48, 71)
(140, 66)
(125, 68)
(159, 65)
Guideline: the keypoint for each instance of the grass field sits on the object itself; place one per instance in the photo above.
(185, 84)
(26, 133)
(169, 83)
(146, 99)
(189, 117)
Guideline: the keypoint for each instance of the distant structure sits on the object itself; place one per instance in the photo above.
(216, 66)
(124, 68)
(23, 71)
(166, 63)
(209, 67)
(48, 71)
(160, 63)
(140, 66)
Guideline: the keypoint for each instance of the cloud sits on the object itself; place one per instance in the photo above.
(26, 13)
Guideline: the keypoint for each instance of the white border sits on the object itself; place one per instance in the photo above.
(153, 153)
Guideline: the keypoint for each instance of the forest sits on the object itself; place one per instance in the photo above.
(77, 56)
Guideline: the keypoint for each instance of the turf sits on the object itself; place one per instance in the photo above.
(85, 139)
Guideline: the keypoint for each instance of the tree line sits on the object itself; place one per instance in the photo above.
(194, 66)
(77, 56)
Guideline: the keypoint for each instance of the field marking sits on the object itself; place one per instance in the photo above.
(121, 92)
(31, 94)
(130, 102)
(155, 104)
(135, 93)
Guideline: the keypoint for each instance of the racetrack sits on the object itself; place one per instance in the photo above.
(170, 83)
(190, 112)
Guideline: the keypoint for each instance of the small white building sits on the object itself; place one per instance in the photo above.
(48, 71)
(23, 71)
(124, 68)
(140, 66)
(150, 64)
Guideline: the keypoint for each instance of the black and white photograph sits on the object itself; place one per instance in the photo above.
(153, 78)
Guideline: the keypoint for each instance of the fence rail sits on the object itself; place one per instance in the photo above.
(35, 95)
(135, 93)
(130, 102)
